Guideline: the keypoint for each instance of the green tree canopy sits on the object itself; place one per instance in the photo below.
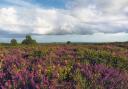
(68, 42)
(28, 40)
(13, 42)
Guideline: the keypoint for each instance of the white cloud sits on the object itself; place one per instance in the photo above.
(7, 17)
(81, 17)
(104, 5)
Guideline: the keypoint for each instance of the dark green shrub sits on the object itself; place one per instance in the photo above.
(13, 42)
(29, 40)
(68, 42)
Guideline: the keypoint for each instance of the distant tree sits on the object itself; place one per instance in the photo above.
(68, 42)
(28, 40)
(13, 42)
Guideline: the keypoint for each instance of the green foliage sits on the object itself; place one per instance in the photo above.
(103, 57)
(65, 73)
(68, 42)
(38, 54)
(29, 40)
(82, 83)
(49, 72)
(13, 42)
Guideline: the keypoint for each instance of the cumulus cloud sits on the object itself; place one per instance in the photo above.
(79, 17)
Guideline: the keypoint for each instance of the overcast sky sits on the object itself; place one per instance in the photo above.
(62, 20)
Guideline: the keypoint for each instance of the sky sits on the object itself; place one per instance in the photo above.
(64, 20)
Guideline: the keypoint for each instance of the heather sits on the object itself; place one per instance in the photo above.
(64, 66)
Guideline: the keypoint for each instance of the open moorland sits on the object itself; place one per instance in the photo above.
(64, 66)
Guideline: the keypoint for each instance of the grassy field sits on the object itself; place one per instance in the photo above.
(64, 66)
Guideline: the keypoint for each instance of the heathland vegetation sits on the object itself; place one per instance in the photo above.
(63, 66)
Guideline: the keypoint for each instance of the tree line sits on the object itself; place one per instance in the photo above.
(27, 41)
